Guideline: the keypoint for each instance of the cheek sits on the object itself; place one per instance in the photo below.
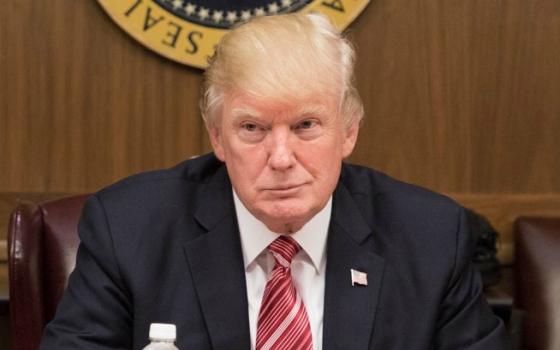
(247, 163)
(321, 157)
(325, 164)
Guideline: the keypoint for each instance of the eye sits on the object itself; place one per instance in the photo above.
(308, 129)
(306, 124)
(249, 127)
(251, 132)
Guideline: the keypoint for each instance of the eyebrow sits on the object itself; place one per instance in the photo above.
(306, 109)
(245, 112)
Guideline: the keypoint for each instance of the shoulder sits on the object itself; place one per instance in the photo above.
(165, 183)
(195, 171)
(410, 224)
(156, 206)
(157, 199)
(393, 197)
(406, 219)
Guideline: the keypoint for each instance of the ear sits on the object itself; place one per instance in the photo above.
(215, 134)
(350, 139)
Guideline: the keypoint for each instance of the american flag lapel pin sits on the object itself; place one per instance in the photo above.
(359, 278)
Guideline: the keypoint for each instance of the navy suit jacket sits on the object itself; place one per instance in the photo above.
(164, 247)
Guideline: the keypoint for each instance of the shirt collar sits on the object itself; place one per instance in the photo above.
(256, 237)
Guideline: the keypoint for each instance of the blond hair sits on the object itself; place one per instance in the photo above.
(290, 56)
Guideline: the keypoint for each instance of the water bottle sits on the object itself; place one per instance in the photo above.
(162, 337)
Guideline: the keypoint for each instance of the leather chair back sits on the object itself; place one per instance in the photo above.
(537, 281)
(42, 245)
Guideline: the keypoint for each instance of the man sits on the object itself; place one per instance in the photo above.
(271, 242)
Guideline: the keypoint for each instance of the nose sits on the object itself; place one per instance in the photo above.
(281, 153)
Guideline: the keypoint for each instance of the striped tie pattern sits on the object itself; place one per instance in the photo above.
(283, 323)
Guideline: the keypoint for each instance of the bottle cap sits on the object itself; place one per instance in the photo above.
(163, 331)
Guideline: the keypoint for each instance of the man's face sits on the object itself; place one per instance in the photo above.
(283, 158)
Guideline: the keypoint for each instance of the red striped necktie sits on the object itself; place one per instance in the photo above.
(283, 323)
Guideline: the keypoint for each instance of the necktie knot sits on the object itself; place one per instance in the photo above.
(284, 248)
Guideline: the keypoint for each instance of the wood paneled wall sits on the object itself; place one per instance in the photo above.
(460, 96)
(82, 104)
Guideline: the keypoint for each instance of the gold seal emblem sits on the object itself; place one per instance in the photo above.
(187, 31)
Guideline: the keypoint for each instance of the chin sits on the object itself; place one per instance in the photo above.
(286, 219)
(284, 227)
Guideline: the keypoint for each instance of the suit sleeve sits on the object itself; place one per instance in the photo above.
(466, 321)
(95, 311)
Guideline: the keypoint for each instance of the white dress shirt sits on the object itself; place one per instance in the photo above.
(308, 265)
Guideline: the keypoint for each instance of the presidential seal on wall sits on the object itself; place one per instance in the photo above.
(187, 31)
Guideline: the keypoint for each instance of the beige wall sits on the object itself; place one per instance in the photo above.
(460, 96)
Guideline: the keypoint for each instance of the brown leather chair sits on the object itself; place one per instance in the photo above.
(537, 281)
(42, 245)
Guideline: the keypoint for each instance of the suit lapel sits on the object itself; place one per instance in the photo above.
(216, 264)
(349, 312)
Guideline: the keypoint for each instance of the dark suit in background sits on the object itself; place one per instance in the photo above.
(164, 247)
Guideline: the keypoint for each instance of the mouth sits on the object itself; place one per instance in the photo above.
(284, 187)
(284, 190)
